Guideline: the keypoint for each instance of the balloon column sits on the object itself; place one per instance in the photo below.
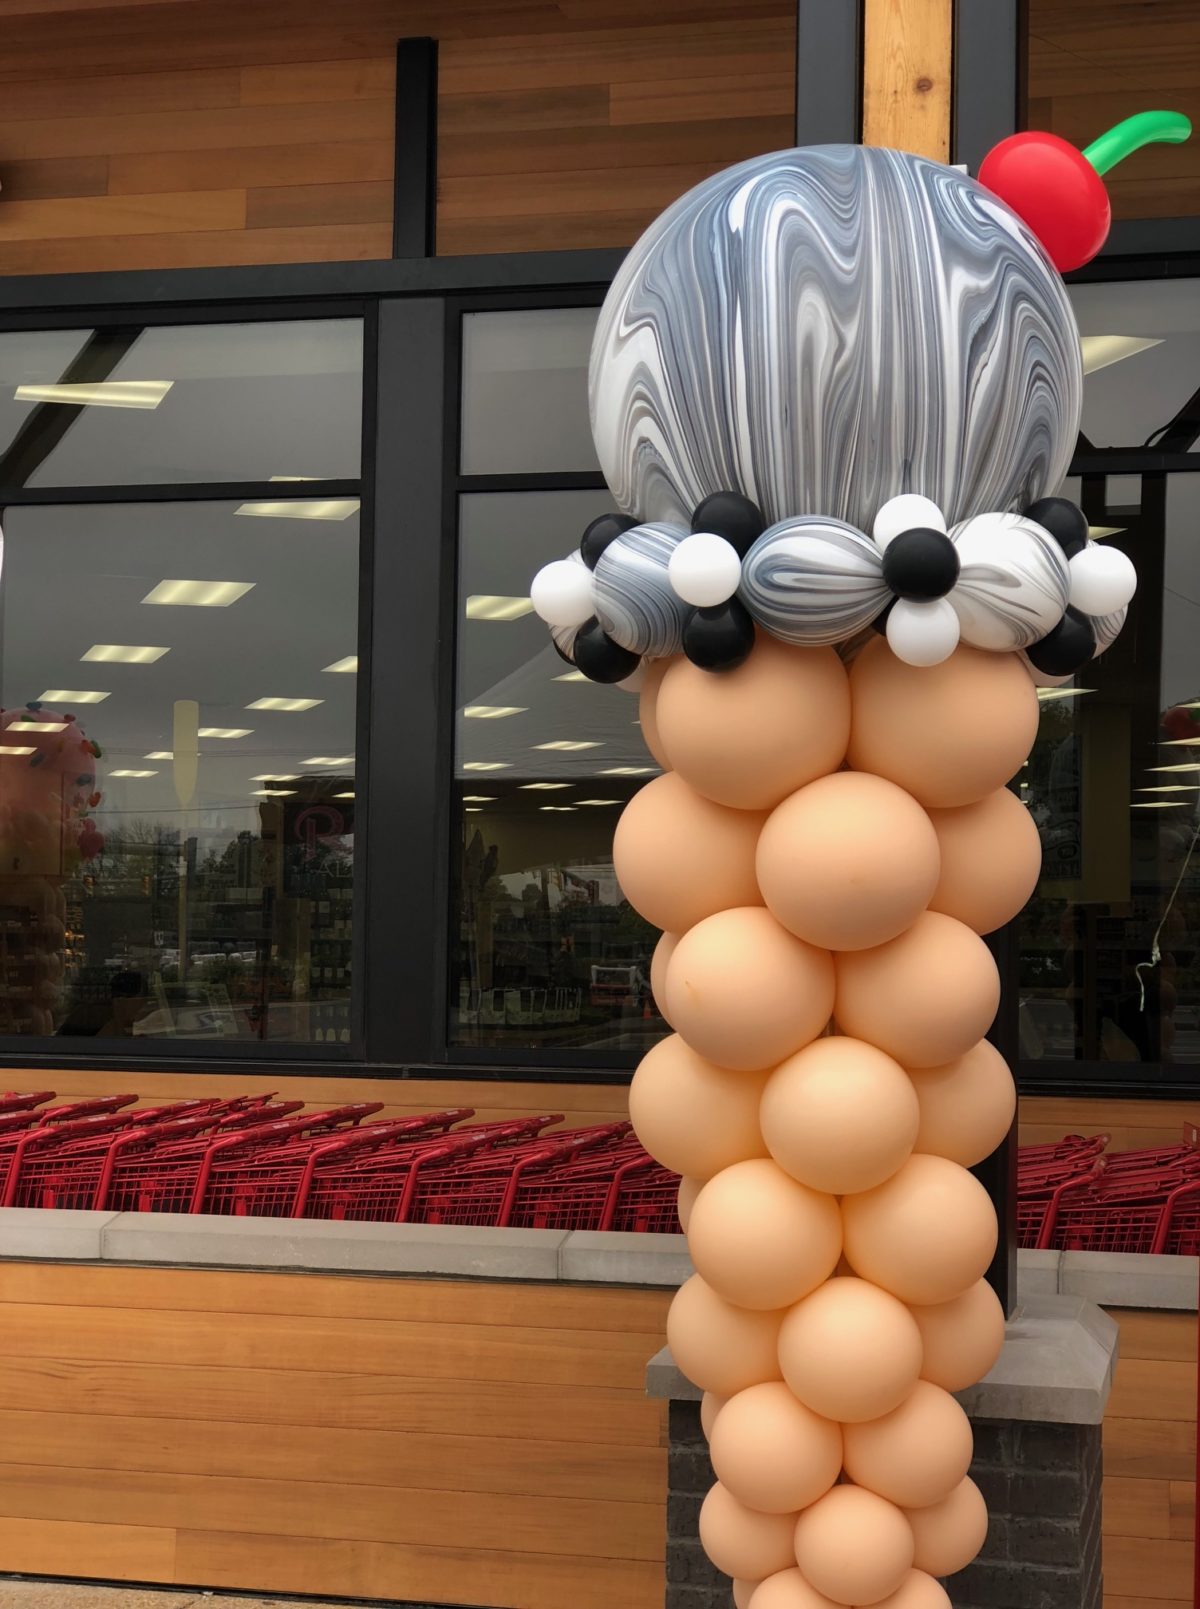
(834, 392)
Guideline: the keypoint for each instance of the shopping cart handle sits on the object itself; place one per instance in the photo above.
(14, 1100)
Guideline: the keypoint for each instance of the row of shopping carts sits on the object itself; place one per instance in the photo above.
(1076, 1195)
(262, 1157)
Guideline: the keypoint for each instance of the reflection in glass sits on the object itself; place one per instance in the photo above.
(138, 405)
(525, 405)
(549, 954)
(174, 863)
(1089, 66)
(1114, 783)
(1141, 359)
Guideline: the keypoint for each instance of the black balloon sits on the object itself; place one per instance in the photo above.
(599, 657)
(1067, 648)
(600, 533)
(1066, 523)
(719, 638)
(920, 564)
(732, 516)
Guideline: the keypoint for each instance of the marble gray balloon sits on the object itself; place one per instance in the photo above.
(634, 599)
(813, 581)
(1107, 628)
(822, 329)
(1013, 585)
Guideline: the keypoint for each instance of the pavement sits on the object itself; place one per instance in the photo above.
(62, 1595)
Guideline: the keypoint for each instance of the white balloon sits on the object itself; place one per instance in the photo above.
(704, 570)
(562, 593)
(1103, 579)
(922, 633)
(908, 512)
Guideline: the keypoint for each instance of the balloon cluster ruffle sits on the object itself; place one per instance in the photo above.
(1032, 583)
(823, 851)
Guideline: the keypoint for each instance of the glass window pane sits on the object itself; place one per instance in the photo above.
(1141, 358)
(524, 406)
(1114, 783)
(185, 403)
(193, 878)
(1090, 66)
(548, 952)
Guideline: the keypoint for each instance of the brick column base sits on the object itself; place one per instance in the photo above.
(1042, 1486)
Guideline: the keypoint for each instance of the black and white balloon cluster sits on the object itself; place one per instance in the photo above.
(1032, 583)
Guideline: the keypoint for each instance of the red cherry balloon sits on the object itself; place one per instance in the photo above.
(1059, 191)
(1056, 190)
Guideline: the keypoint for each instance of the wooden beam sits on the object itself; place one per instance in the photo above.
(906, 75)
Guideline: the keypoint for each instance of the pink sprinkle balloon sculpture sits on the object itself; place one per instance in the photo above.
(835, 392)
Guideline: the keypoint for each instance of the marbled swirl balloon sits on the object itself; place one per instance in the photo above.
(822, 329)
(1013, 585)
(813, 581)
(634, 599)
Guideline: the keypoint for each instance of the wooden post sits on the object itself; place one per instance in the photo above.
(906, 75)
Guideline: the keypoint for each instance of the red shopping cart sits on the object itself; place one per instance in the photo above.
(19, 1149)
(1121, 1212)
(97, 1106)
(483, 1190)
(74, 1172)
(15, 1100)
(1179, 1227)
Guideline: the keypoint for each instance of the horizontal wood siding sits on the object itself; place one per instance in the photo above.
(562, 125)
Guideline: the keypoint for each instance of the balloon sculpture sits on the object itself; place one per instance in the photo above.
(835, 392)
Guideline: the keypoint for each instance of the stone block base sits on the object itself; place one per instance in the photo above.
(1042, 1486)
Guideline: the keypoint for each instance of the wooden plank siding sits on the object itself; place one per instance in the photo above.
(448, 1441)
(438, 1441)
(1094, 62)
(563, 123)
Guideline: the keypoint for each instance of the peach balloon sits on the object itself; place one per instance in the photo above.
(854, 1546)
(915, 1455)
(949, 1534)
(719, 1347)
(839, 1115)
(850, 1351)
(751, 736)
(760, 1239)
(789, 1590)
(967, 1105)
(679, 857)
(961, 1338)
(655, 670)
(693, 1117)
(925, 1235)
(991, 857)
(659, 962)
(924, 998)
(740, 1541)
(848, 862)
(689, 1189)
(918, 1591)
(745, 993)
(772, 1452)
(948, 733)
(710, 1407)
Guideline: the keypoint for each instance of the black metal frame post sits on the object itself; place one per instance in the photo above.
(828, 72)
(414, 205)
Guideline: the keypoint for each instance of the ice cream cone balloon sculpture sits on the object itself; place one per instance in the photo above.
(834, 393)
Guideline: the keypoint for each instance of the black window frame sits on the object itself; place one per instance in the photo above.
(412, 311)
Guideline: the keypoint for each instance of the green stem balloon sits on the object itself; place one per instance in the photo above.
(1144, 128)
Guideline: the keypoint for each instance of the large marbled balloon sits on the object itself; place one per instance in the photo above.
(825, 328)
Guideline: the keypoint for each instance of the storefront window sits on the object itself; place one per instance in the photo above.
(525, 401)
(1114, 783)
(178, 701)
(547, 953)
(1089, 66)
